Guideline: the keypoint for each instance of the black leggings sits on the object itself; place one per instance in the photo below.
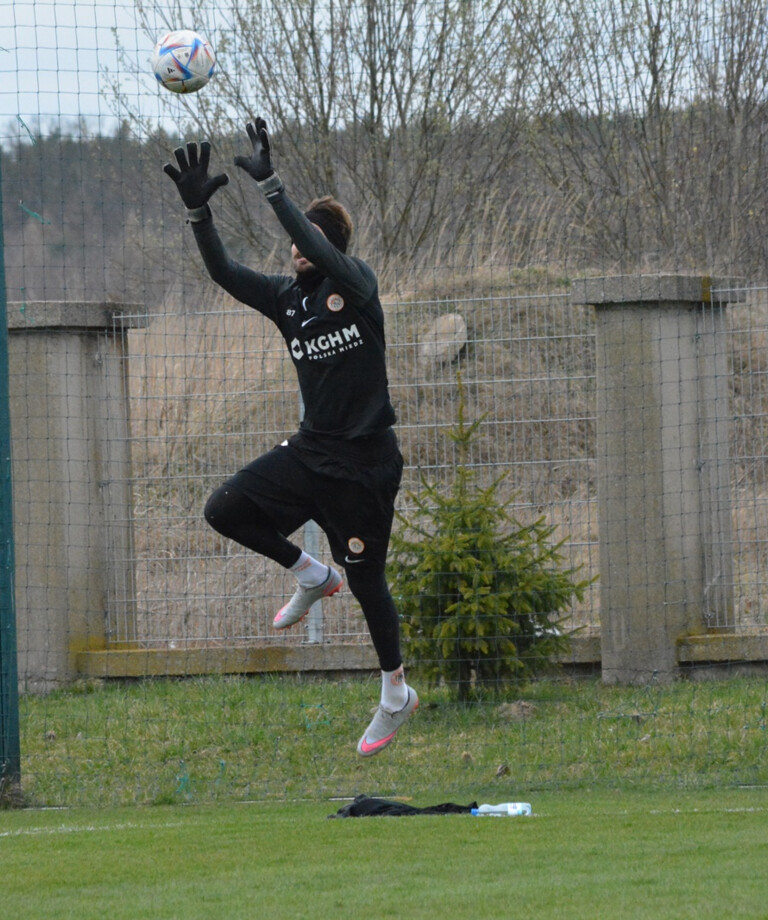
(234, 515)
(238, 517)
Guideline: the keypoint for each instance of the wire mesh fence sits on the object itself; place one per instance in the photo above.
(492, 155)
(225, 392)
(209, 391)
(747, 331)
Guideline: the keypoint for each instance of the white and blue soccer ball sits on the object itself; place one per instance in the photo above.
(183, 61)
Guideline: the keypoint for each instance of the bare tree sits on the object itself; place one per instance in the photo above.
(612, 75)
(654, 127)
(731, 114)
(613, 133)
(386, 103)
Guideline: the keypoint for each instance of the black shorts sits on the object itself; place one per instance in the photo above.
(352, 501)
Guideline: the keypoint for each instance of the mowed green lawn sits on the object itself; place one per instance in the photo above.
(581, 855)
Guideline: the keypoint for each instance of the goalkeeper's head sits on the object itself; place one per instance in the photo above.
(333, 219)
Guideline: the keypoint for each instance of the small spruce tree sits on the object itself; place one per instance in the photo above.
(480, 593)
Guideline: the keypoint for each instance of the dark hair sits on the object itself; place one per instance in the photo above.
(326, 210)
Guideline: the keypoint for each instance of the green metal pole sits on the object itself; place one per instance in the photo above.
(10, 748)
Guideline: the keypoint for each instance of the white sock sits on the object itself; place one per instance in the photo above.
(309, 572)
(394, 690)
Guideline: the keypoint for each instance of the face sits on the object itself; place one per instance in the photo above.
(300, 264)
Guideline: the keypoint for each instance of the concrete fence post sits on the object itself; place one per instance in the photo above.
(71, 471)
(663, 467)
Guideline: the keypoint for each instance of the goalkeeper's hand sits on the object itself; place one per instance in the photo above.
(259, 164)
(191, 178)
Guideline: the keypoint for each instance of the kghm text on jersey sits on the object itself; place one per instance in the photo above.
(327, 344)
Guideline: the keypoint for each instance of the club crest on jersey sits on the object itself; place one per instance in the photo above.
(335, 303)
(356, 545)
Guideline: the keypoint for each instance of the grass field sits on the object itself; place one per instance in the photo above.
(224, 739)
(209, 799)
(587, 854)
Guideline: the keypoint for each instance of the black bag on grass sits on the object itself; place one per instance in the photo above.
(364, 806)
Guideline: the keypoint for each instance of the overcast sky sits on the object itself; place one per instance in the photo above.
(52, 61)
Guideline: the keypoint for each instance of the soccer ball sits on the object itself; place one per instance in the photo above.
(183, 61)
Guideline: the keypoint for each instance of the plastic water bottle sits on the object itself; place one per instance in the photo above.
(504, 809)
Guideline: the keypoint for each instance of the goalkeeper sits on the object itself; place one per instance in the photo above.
(342, 468)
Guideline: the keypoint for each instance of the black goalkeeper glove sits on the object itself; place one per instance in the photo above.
(259, 164)
(192, 180)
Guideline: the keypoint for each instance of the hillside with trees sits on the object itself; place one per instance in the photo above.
(571, 138)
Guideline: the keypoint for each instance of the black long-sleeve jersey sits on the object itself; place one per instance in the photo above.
(335, 334)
